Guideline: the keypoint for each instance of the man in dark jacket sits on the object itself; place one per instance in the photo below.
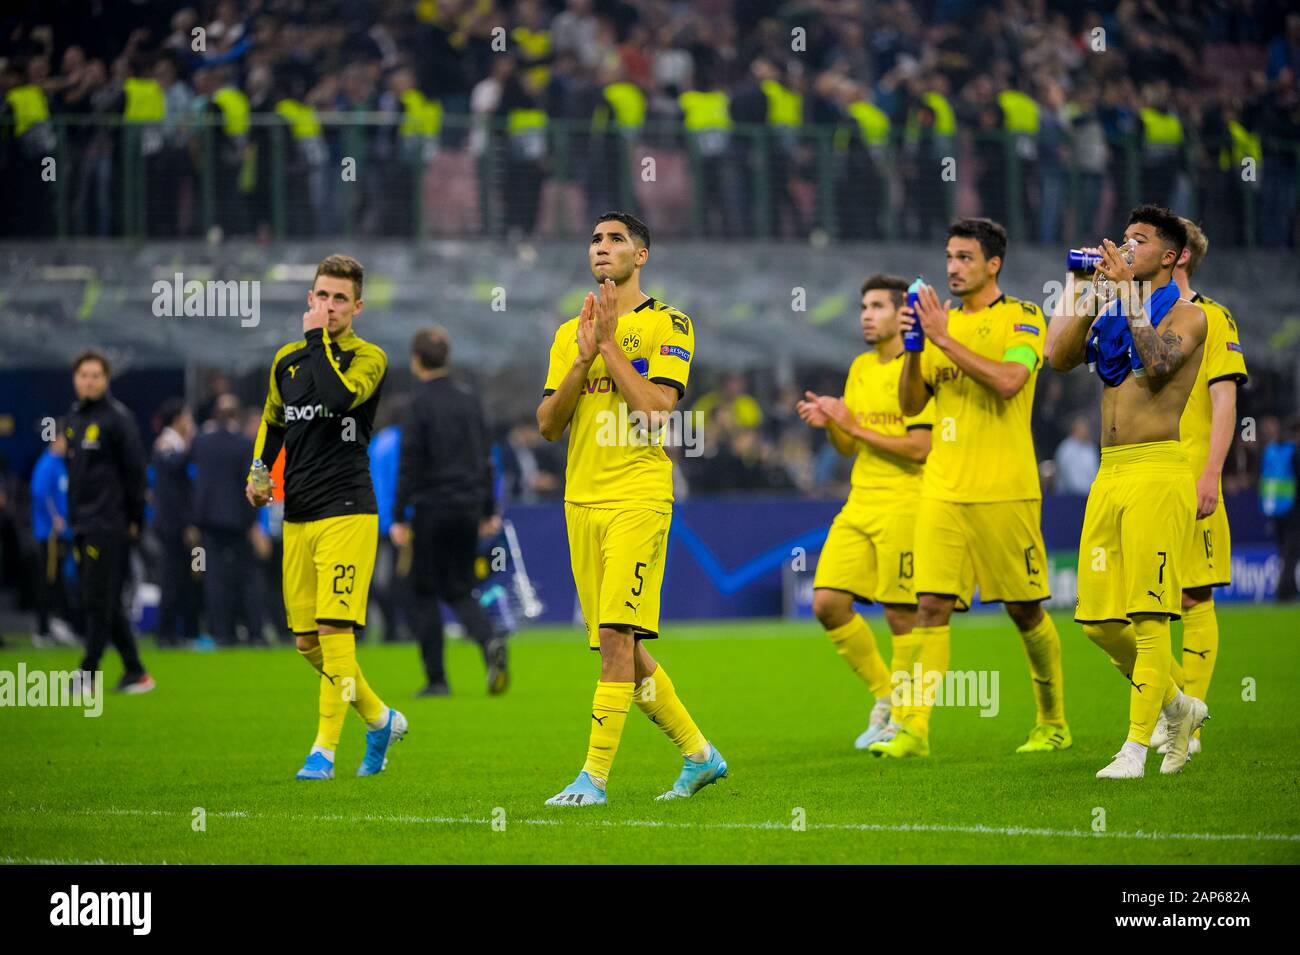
(232, 580)
(173, 504)
(445, 474)
(106, 487)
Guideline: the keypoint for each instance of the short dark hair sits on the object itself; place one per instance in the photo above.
(991, 236)
(431, 347)
(1167, 224)
(169, 411)
(342, 267)
(93, 354)
(639, 230)
(895, 285)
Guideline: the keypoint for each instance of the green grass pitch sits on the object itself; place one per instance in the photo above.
(225, 733)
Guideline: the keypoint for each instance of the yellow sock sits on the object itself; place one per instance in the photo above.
(1117, 640)
(1043, 648)
(936, 650)
(857, 645)
(337, 685)
(314, 656)
(657, 698)
(608, 714)
(1177, 671)
(1120, 644)
(905, 652)
(368, 705)
(1200, 648)
(1152, 684)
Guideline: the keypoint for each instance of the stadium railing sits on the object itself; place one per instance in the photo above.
(749, 181)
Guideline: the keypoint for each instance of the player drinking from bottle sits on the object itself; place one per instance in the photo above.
(1146, 347)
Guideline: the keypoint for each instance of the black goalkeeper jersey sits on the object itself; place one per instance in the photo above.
(321, 407)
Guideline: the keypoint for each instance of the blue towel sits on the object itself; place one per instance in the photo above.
(1110, 350)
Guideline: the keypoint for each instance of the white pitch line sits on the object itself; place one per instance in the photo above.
(978, 830)
(30, 860)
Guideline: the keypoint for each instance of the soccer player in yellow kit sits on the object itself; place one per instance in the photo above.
(320, 407)
(1143, 502)
(616, 373)
(868, 554)
(981, 504)
(1206, 430)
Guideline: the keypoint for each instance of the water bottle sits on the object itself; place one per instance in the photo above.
(914, 339)
(260, 478)
(1077, 260)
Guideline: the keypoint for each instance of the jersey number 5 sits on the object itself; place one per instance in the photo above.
(640, 581)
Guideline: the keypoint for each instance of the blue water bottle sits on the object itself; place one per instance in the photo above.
(914, 340)
(1077, 260)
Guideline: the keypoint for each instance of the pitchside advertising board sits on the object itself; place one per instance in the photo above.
(738, 557)
(1255, 571)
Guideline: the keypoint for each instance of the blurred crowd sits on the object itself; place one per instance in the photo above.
(857, 117)
(745, 437)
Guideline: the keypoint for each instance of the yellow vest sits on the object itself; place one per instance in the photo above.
(145, 102)
(945, 122)
(627, 103)
(1160, 128)
(703, 111)
(1019, 112)
(872, 121)
(523, 120)
(421, 116)
(302, 119)
(784, 106)
(29, 107)
(234, 110)
(1244, 143)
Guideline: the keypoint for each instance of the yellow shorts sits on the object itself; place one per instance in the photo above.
(1135, 531)
(1208, 560)
(998, 546)
(868, 552)
(327, 569)
(618, 566)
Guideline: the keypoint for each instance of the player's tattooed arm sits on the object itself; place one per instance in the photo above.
(1166, 349)
(1160, 351)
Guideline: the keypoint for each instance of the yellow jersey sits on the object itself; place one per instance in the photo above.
(871, 393)
(612, 461)
(1223, 359)
(983, 449)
